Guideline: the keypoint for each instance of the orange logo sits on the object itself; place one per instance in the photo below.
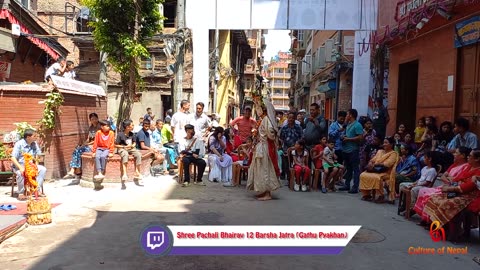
(437, 233)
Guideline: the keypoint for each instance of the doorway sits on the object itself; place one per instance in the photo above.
(407, 95)
(166, 104)
(467, 94)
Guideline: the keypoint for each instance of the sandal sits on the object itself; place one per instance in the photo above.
(367, 198)
(22, 197)
(69, 176)
(380, 199)
(8, 207)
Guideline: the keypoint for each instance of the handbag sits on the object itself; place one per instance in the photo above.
(187, 152)
(451, 195)
(379, 168)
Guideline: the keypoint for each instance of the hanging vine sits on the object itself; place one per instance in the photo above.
(48, 122)
(52, 108)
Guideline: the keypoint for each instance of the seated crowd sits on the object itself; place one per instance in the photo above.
(348, 150)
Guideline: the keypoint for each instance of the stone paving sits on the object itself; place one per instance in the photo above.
(100, 230)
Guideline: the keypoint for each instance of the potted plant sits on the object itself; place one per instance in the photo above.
(9, 141)
(5, 161)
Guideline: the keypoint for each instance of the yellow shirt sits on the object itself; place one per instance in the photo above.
(419, 131)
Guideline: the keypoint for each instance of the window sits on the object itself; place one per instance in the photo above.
(25, 3)
(147, 63)
(248, 84)
(306, 64)
(300, 35)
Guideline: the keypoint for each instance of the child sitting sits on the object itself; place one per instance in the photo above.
(331, 167)
(244, 154)
(427, 178)
(317, 153)
(103, 147)
(300, 160)
(419, 131)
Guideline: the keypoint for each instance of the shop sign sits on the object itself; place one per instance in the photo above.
(467, 32)
(5, 68)
(405, 7)
(349, 45)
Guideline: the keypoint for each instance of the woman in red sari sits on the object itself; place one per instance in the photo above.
(443, 207)
(451, 175)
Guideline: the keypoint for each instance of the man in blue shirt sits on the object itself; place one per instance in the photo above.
(289, 135)
(336, 131)
(27, 145)
(351, 151)
(464, 137)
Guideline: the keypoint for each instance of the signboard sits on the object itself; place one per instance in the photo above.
(5, 68)
(349, 45)
(77, 86)
(405, 7)
(467, 32)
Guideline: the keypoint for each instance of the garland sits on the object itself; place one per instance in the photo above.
(30, 174)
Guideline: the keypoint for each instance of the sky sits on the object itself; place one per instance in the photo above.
(276, 40)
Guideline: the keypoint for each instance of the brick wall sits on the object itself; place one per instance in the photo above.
(20, 71)
(437, 60)
(52, 12)
(71, 124)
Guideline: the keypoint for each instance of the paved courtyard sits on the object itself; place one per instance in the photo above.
(100, 230)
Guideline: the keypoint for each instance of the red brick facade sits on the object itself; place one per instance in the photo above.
(23, 106)
(433, 47)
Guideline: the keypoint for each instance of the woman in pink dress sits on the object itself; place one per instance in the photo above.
(458, 166)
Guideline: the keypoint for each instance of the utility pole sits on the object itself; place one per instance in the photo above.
(217, 58)
(178, 86)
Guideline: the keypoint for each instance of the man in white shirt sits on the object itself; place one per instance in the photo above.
(57, 69)
(202, 122)
(179, 120)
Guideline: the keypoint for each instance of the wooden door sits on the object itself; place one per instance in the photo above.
(468, 91)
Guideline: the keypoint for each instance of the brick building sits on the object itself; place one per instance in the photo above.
(25, 55)
(322, 70)
(278, 75)
(433, 60)
(72, 18)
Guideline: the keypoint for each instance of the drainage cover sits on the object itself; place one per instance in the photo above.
(366, 235)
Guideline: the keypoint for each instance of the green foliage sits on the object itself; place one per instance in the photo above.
(113, 30)
(3, 152)
(52, 107)
(21, 127)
